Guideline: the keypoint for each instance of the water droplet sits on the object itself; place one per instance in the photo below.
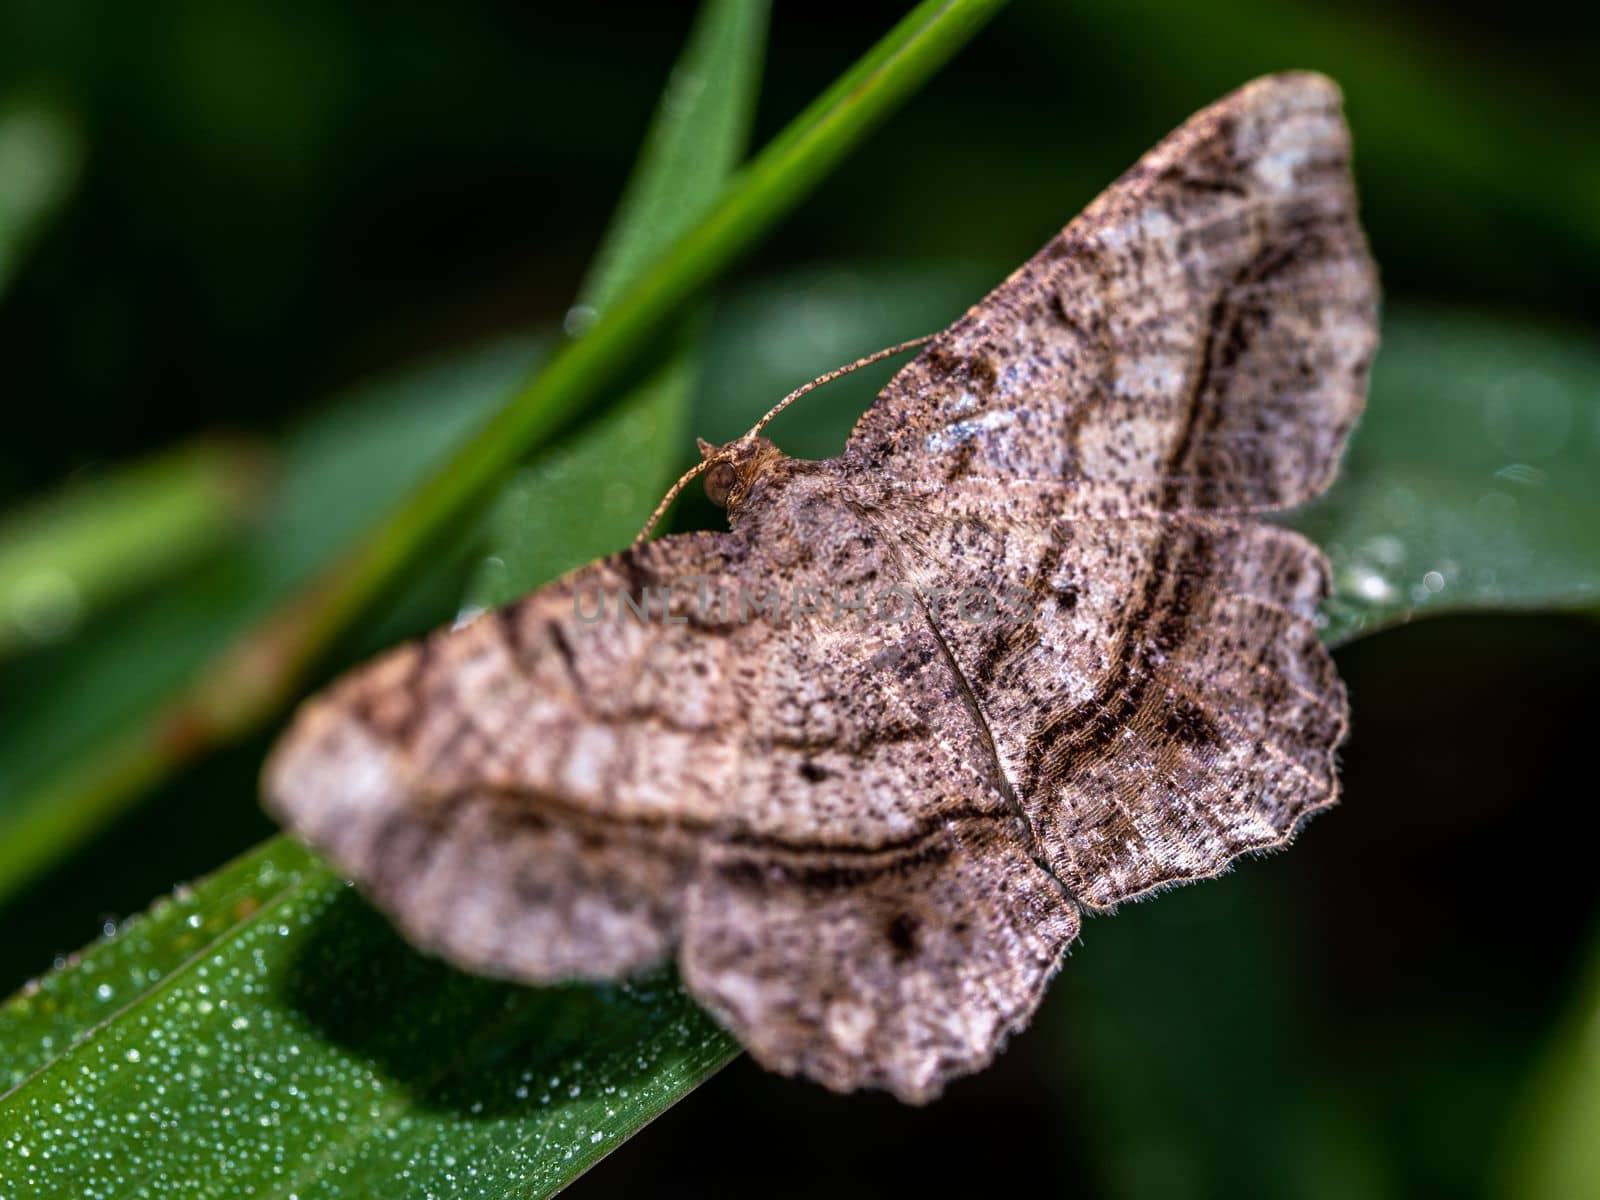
(1386, 550)
(468, 614)
(1368, 584)
(579, 319)
(1522, 473)
(46, 605)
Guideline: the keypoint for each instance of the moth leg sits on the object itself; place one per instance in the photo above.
(895, 971)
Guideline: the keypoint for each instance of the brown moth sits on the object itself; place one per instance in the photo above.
(869, 836)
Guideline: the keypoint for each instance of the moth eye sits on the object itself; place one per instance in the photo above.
(719, 482)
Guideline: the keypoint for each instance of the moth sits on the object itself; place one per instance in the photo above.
(870, 837)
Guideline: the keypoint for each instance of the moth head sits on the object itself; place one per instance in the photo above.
(734, 467)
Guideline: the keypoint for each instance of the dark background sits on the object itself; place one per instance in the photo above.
(282, 197)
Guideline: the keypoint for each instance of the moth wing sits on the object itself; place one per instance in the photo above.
(1198, 339)
(895, 973)
(532, 794)
(523, 793)
(1154, 686)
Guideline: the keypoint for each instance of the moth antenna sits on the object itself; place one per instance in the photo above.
(836, 373)
(708, 460)
(684, 481)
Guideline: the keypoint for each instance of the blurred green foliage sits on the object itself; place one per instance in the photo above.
(245, 208)
(75, 552)
(39, 153)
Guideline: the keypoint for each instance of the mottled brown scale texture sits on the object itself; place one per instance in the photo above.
(869, 842)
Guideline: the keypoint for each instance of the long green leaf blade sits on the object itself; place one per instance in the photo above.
(572, 504)
(291, 1044)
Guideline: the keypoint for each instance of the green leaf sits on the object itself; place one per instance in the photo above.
(196, 701)
(573, 503)
(1552, 1152)
(66, 557)
(40, 153)
(266, 1034)
(695, 141)
(1470, 482)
